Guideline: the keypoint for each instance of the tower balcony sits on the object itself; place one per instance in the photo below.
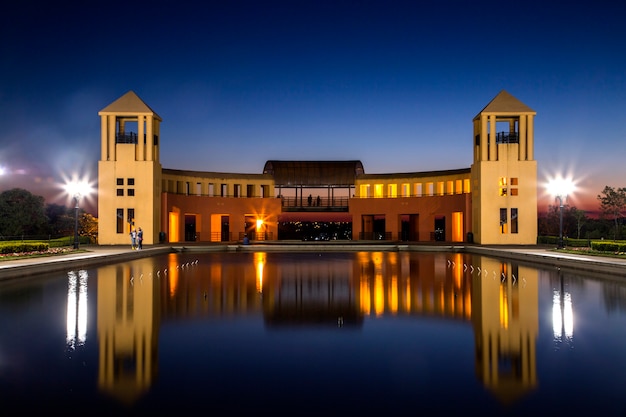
(507, 137)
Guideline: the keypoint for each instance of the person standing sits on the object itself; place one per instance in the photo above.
(139, 238)
(133, 239)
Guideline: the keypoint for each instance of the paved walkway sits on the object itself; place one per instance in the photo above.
(94, 255)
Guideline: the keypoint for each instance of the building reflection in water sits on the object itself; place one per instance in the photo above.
(128, 324)
(505, 320)
(498, 299)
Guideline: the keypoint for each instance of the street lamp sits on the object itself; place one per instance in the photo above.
(76, 197)
(560, 188)
(77, 190)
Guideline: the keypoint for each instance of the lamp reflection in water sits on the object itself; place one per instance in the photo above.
(76, 309)
(562, 313)
(259, 265)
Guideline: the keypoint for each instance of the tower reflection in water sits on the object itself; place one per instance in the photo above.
(498, 299)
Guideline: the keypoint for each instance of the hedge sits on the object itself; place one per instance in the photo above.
(21, 247)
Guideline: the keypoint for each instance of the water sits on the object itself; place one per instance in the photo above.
(299, 334)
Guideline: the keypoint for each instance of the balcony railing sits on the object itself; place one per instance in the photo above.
(129, 137)
(314, 204)
(507, 137)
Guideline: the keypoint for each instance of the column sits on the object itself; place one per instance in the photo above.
(104, 139)
(150, 138)
(140, 155)
(523, 142)
(531, 138)
(492, 139)
(111, 138)
(484, 122)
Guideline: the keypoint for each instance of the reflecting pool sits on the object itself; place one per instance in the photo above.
(303, 334)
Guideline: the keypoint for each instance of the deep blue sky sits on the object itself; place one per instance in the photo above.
(394, 84)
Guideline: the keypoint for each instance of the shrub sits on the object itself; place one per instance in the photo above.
(21, 247)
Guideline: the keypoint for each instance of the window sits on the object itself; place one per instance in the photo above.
(130, 181)
(131, 192)
(119, 224)
(250, 190)
(378, 190)
(120, 181)
(120, 192)
(503, 220)
(406, 190)
(513, 220)
(502, 186)
(513, 182)
(440, 188)
(130, 217)
(392, 190)
(466, 186)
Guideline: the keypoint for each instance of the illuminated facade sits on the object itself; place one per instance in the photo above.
(492, 202)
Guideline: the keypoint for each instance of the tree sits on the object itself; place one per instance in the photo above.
(581, 219)
(22, 213)
(88, 226)
(548, 223)
(612, 204)
(60, 220)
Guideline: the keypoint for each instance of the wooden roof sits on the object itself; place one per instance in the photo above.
(313, 173)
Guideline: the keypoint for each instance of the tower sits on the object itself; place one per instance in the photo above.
(504, 173)
(129, 171)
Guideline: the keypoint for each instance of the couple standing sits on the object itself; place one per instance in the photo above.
(136, 239)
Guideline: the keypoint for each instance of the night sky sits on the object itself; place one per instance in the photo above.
(393, 84)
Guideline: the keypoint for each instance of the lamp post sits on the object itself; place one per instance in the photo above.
(560, 188)
(76, 190)
(76, 198)
(560, 243)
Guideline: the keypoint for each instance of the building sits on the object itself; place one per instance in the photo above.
(492, 202)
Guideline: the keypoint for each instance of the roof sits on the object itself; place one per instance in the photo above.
(129, 103)
(422, 174)
(505, 103)
(208, 174)
(313, 173)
